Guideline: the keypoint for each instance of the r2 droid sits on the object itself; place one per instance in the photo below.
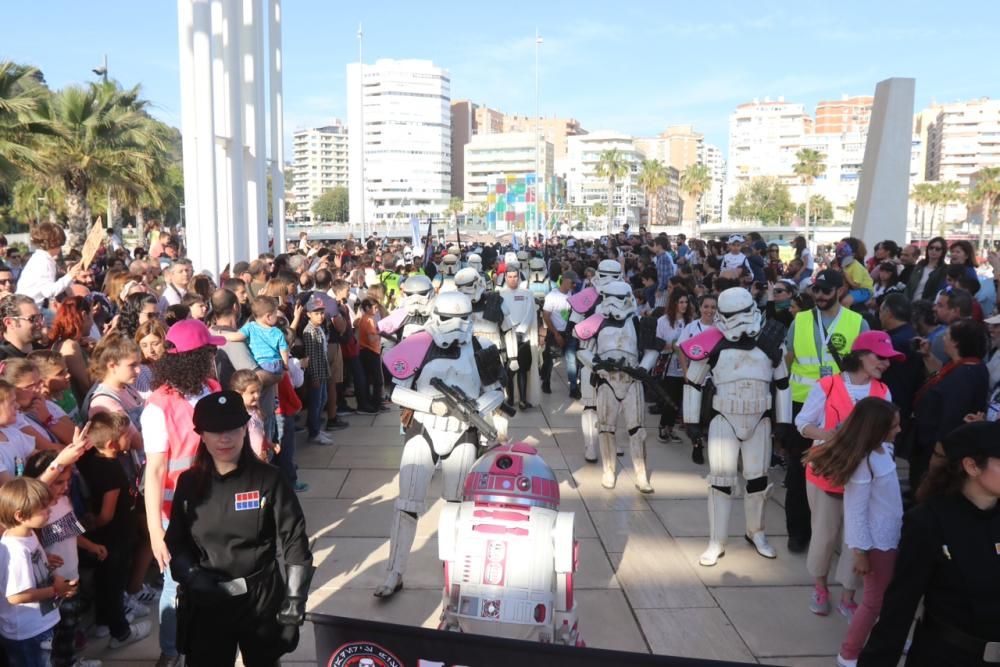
(745, 358)
(509, 553)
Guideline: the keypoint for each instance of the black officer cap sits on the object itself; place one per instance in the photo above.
(973, 439)
(220, 412)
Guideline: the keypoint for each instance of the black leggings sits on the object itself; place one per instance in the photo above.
(371, 363)
(674, 388)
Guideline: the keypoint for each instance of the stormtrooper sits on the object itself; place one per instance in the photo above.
(538, 280)
(509, 553)
(475, 261)
(584, 304)
(444, 352)
(418, 298)
(444, 281)
(623, 348)
(746, 360)
(523, 360)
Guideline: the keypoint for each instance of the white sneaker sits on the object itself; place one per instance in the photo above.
(134, 610)
(844, 662)
(321, 438)
(145, 594)
(137, 632)
(99, 631)
(87, 662)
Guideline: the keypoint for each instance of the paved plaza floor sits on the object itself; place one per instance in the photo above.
(639, 587)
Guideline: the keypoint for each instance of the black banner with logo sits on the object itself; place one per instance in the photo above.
(351, 642)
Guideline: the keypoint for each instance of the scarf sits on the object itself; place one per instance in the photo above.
(943, 373)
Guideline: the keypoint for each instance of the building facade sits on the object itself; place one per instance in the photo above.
(556, 131)
(711, 202)
(585, 188)
(399, 112)
(319, 164)
(467, 120)
(488, 156)
(844, 116)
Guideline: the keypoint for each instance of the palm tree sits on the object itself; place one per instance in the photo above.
(986, 192)
(652, 179)
(100, 136)
(613, 166)
(922, 195)
(945, 194)
(695, 182)
(20, 93)
(811, 164)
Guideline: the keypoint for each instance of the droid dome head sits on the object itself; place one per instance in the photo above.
(475, 261)
(417, 292)
(470, 283)
(536, 268)
(512, 474)
(618, 301)
(737, 315)
(449, 264)
(608, 271)
(450, 323)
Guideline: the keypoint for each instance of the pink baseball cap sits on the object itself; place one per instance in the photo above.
(878, 343)
(188, 335)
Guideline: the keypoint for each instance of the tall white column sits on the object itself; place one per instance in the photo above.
(201, 230)
(233, 94)
(225, 183)
(277, 122)
(251, 43)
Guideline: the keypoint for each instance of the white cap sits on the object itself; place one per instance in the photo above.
(736, 238)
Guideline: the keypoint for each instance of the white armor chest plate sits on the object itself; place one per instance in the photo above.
(615, 342)
(742, 380)
(461, 373)
(521, 304)
(485, 329)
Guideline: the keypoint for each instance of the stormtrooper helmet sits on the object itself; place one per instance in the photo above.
(417, 291)
(523, 256)
(618, 302)
(470, 283)
(450, 322)
(608, 271)
(536, 268)
(476, 262)
(738, 314)
(449, 264)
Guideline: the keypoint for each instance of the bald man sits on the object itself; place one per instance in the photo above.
(908, 257)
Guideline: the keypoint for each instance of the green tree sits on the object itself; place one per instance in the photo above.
(821, 208)
(332, 205)
(613, 166)
(598, 210)
(986, 192)
(695, 182)
(652, 179)
(810, 165)
(20, 94)
(923, 195)
(765, 199)
(945, 194)
(455, 206)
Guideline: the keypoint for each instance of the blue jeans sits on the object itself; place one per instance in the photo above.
(568, 352)
(168, 613)
(26, 652)
(286, 436)
(316, 409)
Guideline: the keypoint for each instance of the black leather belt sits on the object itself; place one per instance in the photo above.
(990, 651)
(240, 585)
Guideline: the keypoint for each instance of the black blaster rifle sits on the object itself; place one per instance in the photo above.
(463, 407)
(638, 373)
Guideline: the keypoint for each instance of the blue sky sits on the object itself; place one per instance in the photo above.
(635, 66)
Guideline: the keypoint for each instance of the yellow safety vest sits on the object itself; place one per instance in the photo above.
(805, 371)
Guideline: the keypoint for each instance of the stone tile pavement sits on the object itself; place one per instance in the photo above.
(640, 587)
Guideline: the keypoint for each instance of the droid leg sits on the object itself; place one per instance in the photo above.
(756, 456)
(723, 450)
(415, 472)
(633, 408)
(607, 416)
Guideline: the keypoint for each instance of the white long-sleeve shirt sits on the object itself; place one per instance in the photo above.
(873, 504)
(813, 411)
(38, 278)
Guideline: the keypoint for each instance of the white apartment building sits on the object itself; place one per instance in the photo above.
(400, 154)
(319, 164)
(585, 188)
(492, 156)
(711, 202)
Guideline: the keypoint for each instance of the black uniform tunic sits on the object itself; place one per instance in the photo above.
(949, 554)
(231, 528)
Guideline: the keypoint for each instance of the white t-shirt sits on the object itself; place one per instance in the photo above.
(671, 334)
(873, 504)
(731, 261)
(807, 259)
(23, 566)
(58, 538)
(556, 304)
(154, 424)
(13, 445)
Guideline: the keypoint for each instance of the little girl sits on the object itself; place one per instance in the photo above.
(41, 419)
(248, 385)
(860, 456)
(150, 336)
(56, 382)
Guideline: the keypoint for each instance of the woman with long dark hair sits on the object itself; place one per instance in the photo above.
(137, 309)
(230, 513)
(948, 556)
(927, 277)
(961, 253)
(668, 329)
(803, 253)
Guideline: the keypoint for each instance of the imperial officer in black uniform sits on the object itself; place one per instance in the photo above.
(949, 555)
(230, 512)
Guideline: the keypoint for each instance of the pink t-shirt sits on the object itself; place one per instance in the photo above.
(255, 428)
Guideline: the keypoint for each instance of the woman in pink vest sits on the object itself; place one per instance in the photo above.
(827, 406)
(185, 374)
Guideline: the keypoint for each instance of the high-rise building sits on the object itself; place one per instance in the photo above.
(467, 120)
(679, 146)
(555, 130)
(319, 164)
(489, 156)
(712, 201)
(400, 156)
(846, 115)
(964, 138)
(585, 188)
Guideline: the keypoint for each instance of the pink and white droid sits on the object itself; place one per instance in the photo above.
(509, 553)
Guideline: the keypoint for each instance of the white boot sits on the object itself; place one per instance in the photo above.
(637, 443)
(404, 530)
(589, 423)
(719, 506)
(608, 460)
(753, 507)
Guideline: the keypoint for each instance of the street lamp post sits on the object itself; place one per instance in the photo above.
(102, 72)
(539, 181)
(361, 129)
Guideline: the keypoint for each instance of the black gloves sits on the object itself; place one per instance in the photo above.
(293, 608)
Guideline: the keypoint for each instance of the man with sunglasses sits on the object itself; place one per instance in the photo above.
(22, 326)
(6, 281)
(816, 341)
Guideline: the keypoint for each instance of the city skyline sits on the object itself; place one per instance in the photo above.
(635, 69)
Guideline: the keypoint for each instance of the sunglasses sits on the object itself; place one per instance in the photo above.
(823, 290)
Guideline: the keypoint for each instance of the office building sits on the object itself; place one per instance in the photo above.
(489, 156)
(711, 202)
(585, 188)
(844, 116)
(963, 138)
(467, 120)
(319, 164)
(556, 131)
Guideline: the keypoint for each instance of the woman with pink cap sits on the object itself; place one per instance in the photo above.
(828, 404)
